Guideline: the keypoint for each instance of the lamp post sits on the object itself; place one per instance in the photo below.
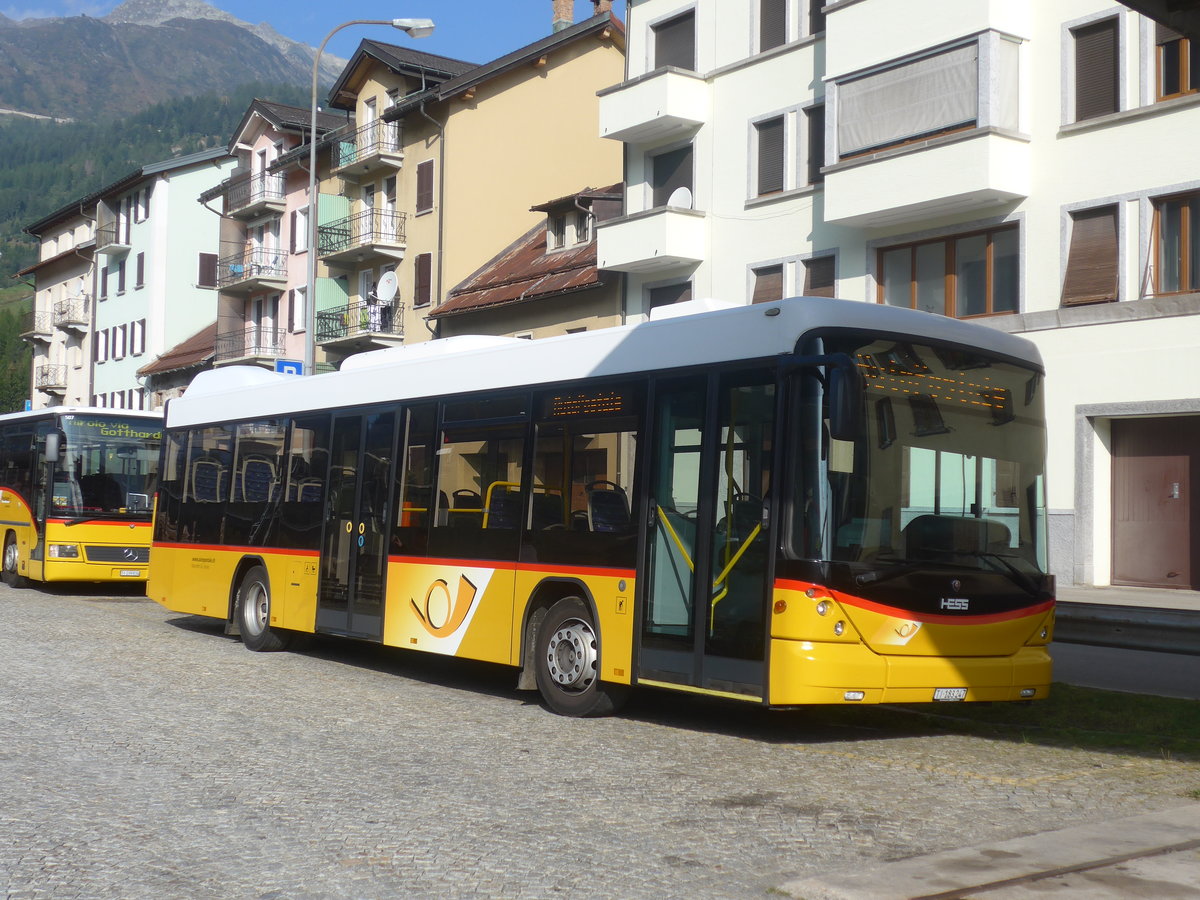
(415, 28)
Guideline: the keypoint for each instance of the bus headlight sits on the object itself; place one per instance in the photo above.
(64, 551)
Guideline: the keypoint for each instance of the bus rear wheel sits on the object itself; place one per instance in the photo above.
(568, 663)
(254, 613)
(12, 561)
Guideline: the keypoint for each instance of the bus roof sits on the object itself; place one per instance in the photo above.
(683, 335)
(48, 411)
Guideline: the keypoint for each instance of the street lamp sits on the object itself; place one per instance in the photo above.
(415, 28)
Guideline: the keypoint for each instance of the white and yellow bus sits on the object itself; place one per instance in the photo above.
(76, 491)
(805, 501)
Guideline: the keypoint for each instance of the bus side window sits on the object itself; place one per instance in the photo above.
(414, 509)
(170, 495)
(305, 468)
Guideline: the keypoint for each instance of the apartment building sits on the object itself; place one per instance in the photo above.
(1023, 164)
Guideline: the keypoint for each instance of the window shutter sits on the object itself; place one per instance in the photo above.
(104, 282)
(818, 277)
(425, 186)
(772, 24)
(671, 171)
(1092, 258)
(816, 143)
(292, 232)
(421, 289)
(207, 276)
(141, 269)
(816, 16)
(768, 284)
(141, 344)
(121, 276)
(770, 156)
(675, 42)
(291, 303)
(1096, 70)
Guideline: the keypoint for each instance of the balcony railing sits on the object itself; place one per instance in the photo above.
(252, 341)
(374, 140)
(372, 228)
(111, 237)
(50, 378)
(250, 266)
(36, 325)
(357, 320)
(72, 313)
(250, 193)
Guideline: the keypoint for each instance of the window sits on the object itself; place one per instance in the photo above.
(206, 275)
(120, 337)
(425, 186)
(671, 293)
(771, 163)
(556, 234)
(422, 279)
(137, 338)
(121, 276)
(815, 119)
(583, 230)
(968, 275)
(141, 271)
(100, 345)
(298, 309)
(768, 284)
(415, 480)
(772, 24)
(299, 230)
(1178, 63)
(1092, 258)
(816, 16)
(819, 277)
(1177, 244)
(675, 42)
(1096, 89)
(669, 172)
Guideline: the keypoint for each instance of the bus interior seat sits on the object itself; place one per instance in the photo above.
(256, 480)
(469, 501)
(208, 480)
(504, 508)
(546, 512)
(931, 535)
(607, 507)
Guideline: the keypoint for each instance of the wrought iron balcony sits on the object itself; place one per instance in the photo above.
(374, 146)
(36, 326)
(111, 238)
(361, 326)
(73, 314)
(371, 233)
(251, 195)
(52, 379)
(251, 269)
(251, 342)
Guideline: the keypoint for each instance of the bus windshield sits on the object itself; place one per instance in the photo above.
(946, 470)
(108, 466)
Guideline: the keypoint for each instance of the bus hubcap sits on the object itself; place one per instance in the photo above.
(10, 557)
(571, 655)
(258, 608)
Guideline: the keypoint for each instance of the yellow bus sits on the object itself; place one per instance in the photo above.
(805, 501)
(76, 489)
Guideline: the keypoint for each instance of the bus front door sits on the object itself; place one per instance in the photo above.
(706, 572)
(354, 551)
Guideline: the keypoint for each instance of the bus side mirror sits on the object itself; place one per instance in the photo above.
(844, 392)
(53, 451)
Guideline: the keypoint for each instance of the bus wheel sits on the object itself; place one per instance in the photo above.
(254, 613)
(12, 560)
(568, 663)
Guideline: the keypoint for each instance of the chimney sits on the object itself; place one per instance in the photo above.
(602, 7)
(564, 14)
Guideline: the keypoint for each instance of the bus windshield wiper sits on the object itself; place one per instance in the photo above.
(898, 568)
(1000, 563)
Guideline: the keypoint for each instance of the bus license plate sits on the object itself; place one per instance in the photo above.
(130, 573)
(950, 694)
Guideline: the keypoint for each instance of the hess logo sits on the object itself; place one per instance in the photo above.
(957, 604)
(442, 613)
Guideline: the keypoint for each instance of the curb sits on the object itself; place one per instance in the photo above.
(1129, 627)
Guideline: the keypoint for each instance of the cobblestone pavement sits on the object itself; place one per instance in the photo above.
(144, 754)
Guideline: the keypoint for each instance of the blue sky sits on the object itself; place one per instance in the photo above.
(473, 30)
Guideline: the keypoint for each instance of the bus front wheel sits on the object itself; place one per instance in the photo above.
(254, 613)
(568, 663)
(12, 560)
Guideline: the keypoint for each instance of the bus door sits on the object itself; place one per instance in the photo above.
(355, 548)
(706, 572)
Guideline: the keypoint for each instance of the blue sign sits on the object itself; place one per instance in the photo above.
(289, 366)
(28, 405)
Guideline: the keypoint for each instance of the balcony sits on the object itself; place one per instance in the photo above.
(653, 241)
(371, 148)
(373, 233)
(249, 196)
(361, 326)
(112, 239)
(252, 269)
(252, 344)
(663, 105)
(73, 315)
(37, 326)
(972, 171)
(51, 379)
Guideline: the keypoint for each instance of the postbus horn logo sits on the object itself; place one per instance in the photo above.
(443, 614)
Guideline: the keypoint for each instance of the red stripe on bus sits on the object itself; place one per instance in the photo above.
(89, 521)
(233, 548)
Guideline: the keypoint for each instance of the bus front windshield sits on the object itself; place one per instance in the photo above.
(946, 470)
(108, 466)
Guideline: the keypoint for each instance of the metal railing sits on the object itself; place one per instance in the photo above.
(372, 226)
(250, 190)
(50, 377)
(372, 139)
(358, 319)
(36, 322)
(108, 234)
(72, 312)
(251, 262)
(253, 340)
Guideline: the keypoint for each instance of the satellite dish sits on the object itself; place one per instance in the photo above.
(680, 197)
(386, 289)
